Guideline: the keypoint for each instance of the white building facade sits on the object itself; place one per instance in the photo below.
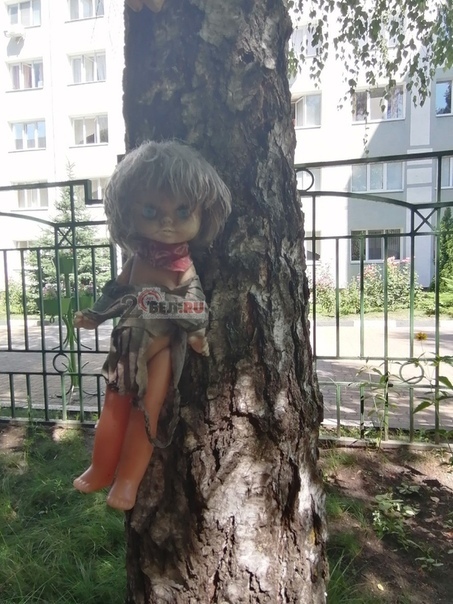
(61, 98)
(329, 128)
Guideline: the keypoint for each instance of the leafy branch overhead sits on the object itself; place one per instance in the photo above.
(381, 40)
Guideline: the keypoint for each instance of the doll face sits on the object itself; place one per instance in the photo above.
(164, 219)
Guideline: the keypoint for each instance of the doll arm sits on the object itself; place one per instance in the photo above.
(195, 318)
(198, 341)
(111, 303)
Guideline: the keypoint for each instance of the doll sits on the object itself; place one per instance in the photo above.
(160, 197)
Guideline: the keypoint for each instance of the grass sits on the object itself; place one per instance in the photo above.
(39, 414)
(56, 545)
(375, 435)
(334, 458)
(386, 542)
(344, 546)
(343, 587)
(337, 505)
(425, 307)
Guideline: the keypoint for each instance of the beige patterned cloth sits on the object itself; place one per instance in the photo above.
(125, 368)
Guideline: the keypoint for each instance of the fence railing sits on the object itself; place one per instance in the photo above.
(49, 370)
(382, 337)
(368, 256)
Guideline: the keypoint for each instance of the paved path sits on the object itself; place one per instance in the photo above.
(26, 356)
(331, 371)
(348, 371)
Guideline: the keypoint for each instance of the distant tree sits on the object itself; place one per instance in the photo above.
(446, 109)
(93, 262)
(383, 41)
(445, 249)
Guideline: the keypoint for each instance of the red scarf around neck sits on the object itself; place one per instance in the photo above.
(171, 256)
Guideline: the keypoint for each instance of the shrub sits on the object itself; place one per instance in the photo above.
(92, 255)
(350, 298)
(427, 302)
(398, 283)
(324, 291)
(445, 249)
(398, 287)
(16, 306)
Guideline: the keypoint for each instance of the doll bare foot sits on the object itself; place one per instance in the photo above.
(122, 495)
(92, 480)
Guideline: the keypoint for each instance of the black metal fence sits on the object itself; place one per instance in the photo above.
(382, 344)
(382, 341)
(49, 370)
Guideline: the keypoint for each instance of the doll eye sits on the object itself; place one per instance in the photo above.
(183, 212)
(149, 212)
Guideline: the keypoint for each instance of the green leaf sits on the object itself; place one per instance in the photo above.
(370, 25)
(445, 381)
(422, 406)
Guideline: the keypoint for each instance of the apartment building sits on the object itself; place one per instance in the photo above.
(330, 127)
(61, 99)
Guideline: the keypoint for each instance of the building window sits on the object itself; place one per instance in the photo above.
(447, 173)
(377, 177)
(25, 76)
(88, 68)
(84, 9)
(90, 130)
(98, 186)
(311, 245)
(370, 244)
(25, 13)
(32, 199)
(371, 105)
(443, 98)
(24, 244)
(29, 135)
(308, 179)
(302, 43)
(307, 111)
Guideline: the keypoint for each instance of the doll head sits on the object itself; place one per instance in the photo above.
(167, 170)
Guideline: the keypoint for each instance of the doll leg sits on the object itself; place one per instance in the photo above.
(108, 442)
(137, 450)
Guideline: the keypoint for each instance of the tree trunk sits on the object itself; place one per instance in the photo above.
(233, 511)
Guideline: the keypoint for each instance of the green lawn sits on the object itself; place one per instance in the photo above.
(56, 545)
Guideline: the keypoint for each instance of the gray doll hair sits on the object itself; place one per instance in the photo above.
(174, 169)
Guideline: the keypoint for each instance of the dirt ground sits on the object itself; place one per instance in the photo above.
(415, 481)
(387, 567)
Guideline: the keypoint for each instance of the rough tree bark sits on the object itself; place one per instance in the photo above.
(233, 511)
